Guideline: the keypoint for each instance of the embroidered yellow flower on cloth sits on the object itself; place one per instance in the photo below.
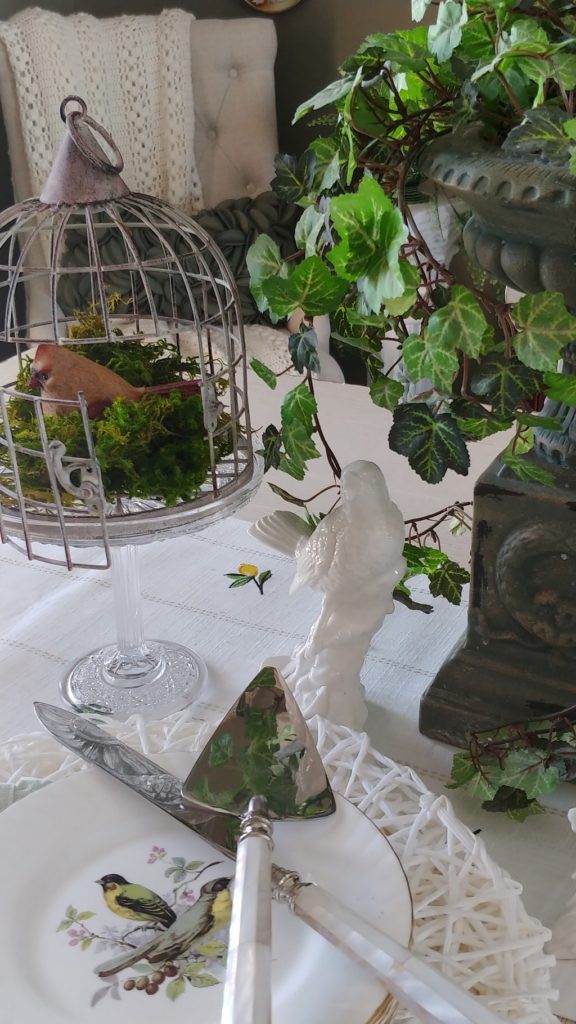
(246, 574)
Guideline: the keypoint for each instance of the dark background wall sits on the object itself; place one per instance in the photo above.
(313, 38)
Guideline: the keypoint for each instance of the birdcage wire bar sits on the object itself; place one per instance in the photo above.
(69, 259)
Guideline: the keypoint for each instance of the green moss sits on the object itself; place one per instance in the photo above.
(155, 448)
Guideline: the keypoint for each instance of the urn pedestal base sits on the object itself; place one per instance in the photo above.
(520, 644)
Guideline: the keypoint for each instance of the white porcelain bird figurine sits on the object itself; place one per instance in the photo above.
(354, 557)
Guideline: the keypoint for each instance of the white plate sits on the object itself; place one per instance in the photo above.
(56, 842)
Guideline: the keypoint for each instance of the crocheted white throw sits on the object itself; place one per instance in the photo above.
(469, 920)
(135, 74)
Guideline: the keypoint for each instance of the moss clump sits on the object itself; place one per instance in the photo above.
(154, 448)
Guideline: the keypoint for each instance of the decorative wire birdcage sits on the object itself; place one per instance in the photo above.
(152, 283)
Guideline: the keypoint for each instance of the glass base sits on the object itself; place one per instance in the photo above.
(153, 681)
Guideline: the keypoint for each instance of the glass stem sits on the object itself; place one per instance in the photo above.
(127, 600)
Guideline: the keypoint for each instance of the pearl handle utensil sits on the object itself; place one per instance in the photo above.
(247, 987)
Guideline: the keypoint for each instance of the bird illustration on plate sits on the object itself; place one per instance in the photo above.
(135, 902)
(166, 941)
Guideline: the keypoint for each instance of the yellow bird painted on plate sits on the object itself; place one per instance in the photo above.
(209, 915)
(135, 902)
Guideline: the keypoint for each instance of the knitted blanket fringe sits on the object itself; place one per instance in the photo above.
(135, 75)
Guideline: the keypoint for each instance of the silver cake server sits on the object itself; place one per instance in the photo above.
(418, 986)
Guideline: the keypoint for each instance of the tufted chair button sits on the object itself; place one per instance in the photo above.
(212, 134)
(233, 73)
(250, 188)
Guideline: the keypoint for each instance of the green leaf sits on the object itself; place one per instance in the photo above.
(272, 441)
(402, 595)
(297, 470)
(548, 327)
(463, 770)
(506, 382)
(447, 581)
(85, 944)
(297, 412)
(460, 325)
(310, 287)
(481, 787)
(386, 392)
(475, 422)
(221, 747)
(328, 163)
(524, 469)
(426, 356)
(308, 229)
(412, 279)
(294, 175)
(286, 496)
(564, 65)
(331, 94)
(263, 577)
(445, 35)
(303, 348)
(240, 582)
(514, 802)
(264, 372)
(371, 232)
(560, 387)
(203, 980)
(85, 915)
(213, 948)
(419, 8)
(526, 770)
(63, 925)
(264, 260)
(540, 134)
(175, 988)
(431, 443)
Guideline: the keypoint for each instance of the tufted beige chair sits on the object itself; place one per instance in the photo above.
(234, 132)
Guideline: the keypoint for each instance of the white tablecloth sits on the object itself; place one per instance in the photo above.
(50, 617)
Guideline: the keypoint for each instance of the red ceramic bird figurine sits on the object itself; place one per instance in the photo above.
(61, 373)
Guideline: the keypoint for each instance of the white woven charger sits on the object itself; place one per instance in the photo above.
(469, 919)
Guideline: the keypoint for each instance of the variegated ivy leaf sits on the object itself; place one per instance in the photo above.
(303, 348)
(542, 133)
(445, 35)
(294, 175)
(526, 770)
(432, 444)
(328, 163)
(419, 8)
(307, 230)
(372, 232)
(310, 287)
(412, 279)
(505, 383)
(447, 581)
(297, 412)
(331, 94)
(264, 372)
(548, 327)
(524, 469)
(560, 387)
(264, 260)
(426, 359)
(460, 325)
(386, 392)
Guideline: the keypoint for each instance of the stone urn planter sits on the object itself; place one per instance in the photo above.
(520, 644)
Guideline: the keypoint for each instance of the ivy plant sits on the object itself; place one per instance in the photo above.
(469, 363)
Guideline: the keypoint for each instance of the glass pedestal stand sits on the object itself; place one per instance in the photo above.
(133, 676)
